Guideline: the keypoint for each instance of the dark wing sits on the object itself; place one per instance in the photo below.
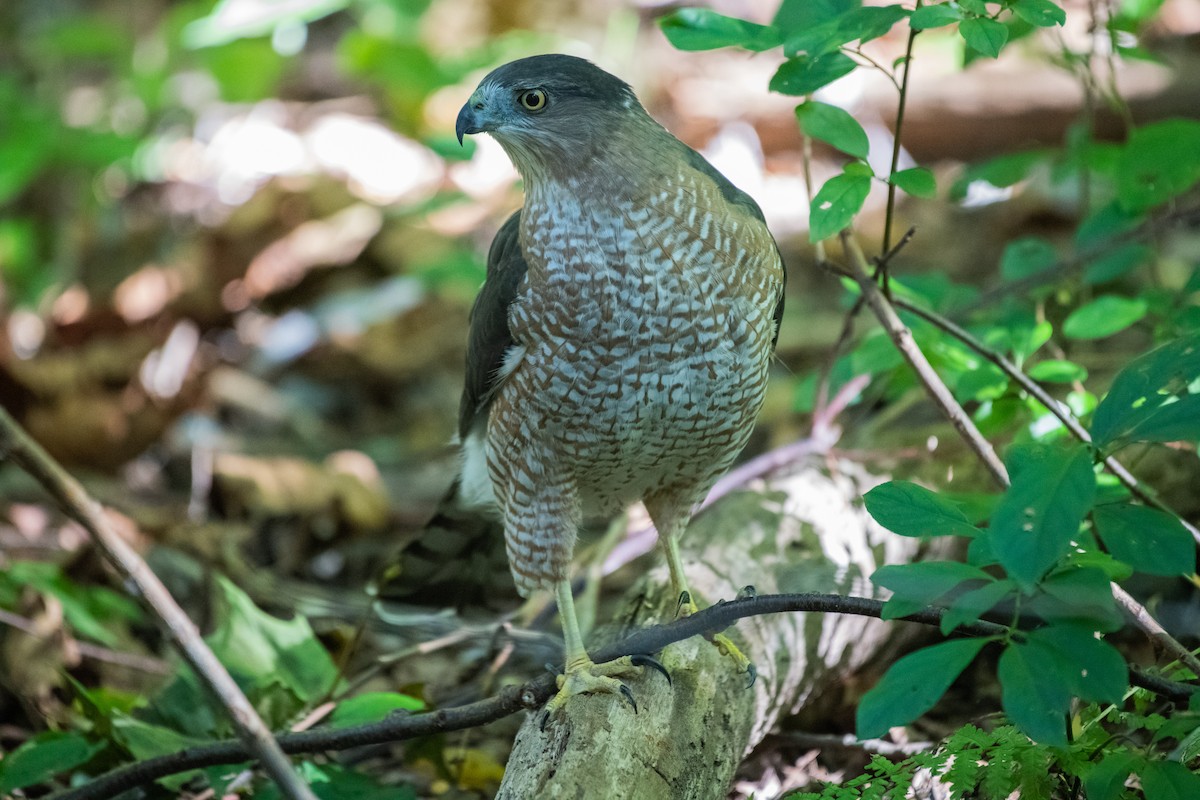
(778, 314)
(490, 338)
(734, 195)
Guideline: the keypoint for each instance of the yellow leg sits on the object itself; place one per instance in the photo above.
(584, 676)
(687, 606)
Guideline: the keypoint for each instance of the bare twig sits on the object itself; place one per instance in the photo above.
(534, 693)
(1144, 620)
(17, 446)
(900, 106)
(903, 339)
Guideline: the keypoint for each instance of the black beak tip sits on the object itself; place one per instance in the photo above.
(466, 123)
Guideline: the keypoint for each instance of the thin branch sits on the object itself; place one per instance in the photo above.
(1146, 621)
(17, 446)
(900, 106)
(1042, 396)
(902, 337)
(887, 73)
(535, 693)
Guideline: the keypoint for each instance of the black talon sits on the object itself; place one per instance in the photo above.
(753, 671)
(628, 693)
(645, 660)
(545, 719)
(684, 599)
(748, 592)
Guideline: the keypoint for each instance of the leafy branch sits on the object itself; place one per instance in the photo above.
(1058, 541)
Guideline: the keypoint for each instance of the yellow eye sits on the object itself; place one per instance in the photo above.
(532, 100)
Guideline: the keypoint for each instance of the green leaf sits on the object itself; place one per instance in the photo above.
(1173, 421)
(146, 740)
(911, 510)
(834, 126)
(917, 181)
(858, 24)
(1027, 256)
(260, 649)
(913, 685)
(1145, 538)
(1169, 780)
(875, 354)
(858, 169)
(1097, 231)
(970, 606)
(1080, 595)
(795, 15)
(935, 16)
(333, 782)
(1104, 316)
(1033, 694)
(870, 22)
(1149, 399)
(704, 29)
(1189, 745)
(246, 70)
(1041, 13)
(835, 205)
(1054, 370)
(90, 610)
(1025, 341)
(1160, 161)
(1106, 780)
(1113, 569)
(1193, 282)
(983, 35)
(1091, 668)
(41, 758)
(1117, 263)
(925, 581)
(805, 74)
(372, 707)
(1052, 489)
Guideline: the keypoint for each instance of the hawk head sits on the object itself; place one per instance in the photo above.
(549, 111)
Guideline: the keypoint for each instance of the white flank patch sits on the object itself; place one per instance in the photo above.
(475, 488)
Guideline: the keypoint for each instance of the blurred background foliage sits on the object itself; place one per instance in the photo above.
(239, 243)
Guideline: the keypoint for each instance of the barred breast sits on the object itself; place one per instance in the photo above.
(644, 332)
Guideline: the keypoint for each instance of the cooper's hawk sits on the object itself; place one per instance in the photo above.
(619, 347)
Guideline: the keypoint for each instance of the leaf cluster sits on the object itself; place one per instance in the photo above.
(1043, 554)
(279, 664)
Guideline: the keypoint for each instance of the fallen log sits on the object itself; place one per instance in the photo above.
(804, 532)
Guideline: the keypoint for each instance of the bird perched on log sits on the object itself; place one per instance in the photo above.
(619, 347)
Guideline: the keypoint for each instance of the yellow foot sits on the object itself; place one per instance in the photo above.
(687, 607)
(588, 677)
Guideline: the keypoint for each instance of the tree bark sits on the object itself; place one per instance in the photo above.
(804, 532)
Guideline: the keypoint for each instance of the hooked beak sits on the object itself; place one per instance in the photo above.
(468, 121)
